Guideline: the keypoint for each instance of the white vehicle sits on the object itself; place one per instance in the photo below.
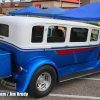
(46, 51)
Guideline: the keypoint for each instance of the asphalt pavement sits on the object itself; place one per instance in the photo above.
(85, 88)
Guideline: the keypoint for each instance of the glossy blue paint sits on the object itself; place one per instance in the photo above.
(79, 67)
(92, 55)
(15, 75)
(32, 66)
(32, 59)
(5, 63)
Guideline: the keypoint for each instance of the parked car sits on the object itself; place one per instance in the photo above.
(46, 51)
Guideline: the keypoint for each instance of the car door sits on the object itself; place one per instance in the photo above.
(93, 54)
(55, 42)
(78, 45)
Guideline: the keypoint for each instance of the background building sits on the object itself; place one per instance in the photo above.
(65, 4)
(84, 2)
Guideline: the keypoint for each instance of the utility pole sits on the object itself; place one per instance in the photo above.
(79, 3)
(60, 3)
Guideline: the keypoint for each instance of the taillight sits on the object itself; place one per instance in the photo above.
(20, 69)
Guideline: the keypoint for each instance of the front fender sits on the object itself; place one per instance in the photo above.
(32, 66)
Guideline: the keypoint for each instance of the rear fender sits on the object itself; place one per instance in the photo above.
(31, 67)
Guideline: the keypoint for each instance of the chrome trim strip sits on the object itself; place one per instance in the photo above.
(47, 49)
(20, 49)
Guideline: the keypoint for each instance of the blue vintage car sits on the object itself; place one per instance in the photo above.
(46, 51)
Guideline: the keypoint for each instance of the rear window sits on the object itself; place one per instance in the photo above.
(4, 30)
(37, 34)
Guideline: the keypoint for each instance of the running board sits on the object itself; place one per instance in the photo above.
(78, 74)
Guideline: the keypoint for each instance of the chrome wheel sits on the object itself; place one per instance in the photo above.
(43, 81)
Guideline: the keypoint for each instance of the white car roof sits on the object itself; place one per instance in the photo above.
(31, 20)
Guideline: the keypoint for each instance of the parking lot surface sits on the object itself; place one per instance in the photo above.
(85, 88)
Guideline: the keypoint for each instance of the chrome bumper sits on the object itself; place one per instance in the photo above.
(9, 85)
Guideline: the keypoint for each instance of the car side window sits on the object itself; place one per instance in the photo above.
(4, 30)
(37, 34)
(78, 35)
(56, 34)
(94, 35)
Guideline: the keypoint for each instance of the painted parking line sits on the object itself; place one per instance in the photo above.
(7, 91)
(95, 79)
(75, 96)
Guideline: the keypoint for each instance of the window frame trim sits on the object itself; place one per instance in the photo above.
(57, 44)
(79, 43)
(39, 43)
(3, 36)
(94, 42)
(35, 34)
